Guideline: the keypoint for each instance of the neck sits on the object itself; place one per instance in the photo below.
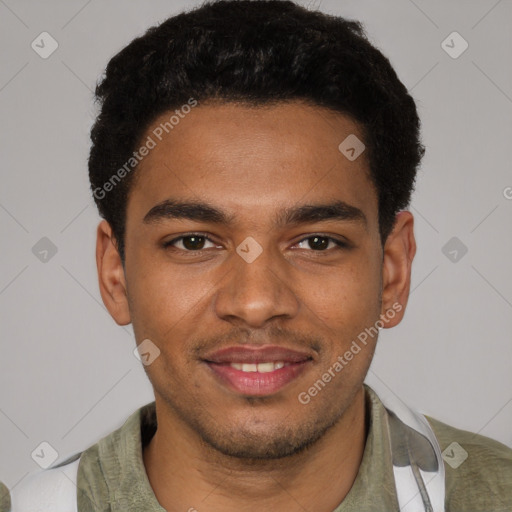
(187, 475)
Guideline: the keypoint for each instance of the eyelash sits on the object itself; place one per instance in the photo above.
(339, 243)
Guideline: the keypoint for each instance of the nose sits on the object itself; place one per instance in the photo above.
(254, 292)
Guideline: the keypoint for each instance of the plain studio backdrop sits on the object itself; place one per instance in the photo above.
(68, 372)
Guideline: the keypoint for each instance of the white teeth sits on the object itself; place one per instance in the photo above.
(260, 367)
(265, 367)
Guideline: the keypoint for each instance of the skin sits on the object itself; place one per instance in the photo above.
(216, 449)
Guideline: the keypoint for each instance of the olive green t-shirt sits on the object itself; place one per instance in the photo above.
(5, 499)
(112, 478)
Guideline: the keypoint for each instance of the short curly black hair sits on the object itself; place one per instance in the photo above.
(258, 52)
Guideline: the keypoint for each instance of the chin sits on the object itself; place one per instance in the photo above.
(265, 443)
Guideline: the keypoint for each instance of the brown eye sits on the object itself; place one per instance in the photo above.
(189, 243)
(193, 242)
(321, 243)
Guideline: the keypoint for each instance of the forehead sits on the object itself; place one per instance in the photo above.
(252, 160)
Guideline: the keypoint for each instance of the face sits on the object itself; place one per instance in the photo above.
(253, 262)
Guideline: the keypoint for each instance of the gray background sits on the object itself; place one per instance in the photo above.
(68, 373)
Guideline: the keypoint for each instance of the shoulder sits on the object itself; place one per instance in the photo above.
(48, 489)
(80, 481)
(5, 498)
(478, 470)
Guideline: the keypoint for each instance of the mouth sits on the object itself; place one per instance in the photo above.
(257, 371)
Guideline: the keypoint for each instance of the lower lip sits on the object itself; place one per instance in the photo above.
(256, 383)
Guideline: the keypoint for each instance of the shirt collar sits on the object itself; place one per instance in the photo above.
(374, 487)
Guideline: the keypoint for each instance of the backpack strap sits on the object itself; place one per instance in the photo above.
(418, 466)
(51, 490)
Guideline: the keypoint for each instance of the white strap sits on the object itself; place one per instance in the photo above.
(50, 490)
(408, 494)
(408, 489)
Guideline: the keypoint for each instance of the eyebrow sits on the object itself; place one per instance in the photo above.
(291, 216)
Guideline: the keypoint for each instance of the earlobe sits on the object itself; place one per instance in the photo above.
(111, 277)
(399, 252)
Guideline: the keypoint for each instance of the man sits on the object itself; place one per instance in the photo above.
(252, 162)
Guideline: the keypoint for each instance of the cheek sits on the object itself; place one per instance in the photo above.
(163, 300)
(344, 296)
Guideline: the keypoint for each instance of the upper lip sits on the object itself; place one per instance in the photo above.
(246, 354)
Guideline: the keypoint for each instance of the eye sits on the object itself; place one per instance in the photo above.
(190, 243)
(319, 243)
(196, 242)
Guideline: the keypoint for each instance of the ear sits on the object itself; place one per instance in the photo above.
(398, 253)
(111, 275)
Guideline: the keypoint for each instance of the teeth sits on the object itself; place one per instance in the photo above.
(265, 367)
(260, 367)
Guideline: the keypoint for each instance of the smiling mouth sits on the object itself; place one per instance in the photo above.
(258, 371)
